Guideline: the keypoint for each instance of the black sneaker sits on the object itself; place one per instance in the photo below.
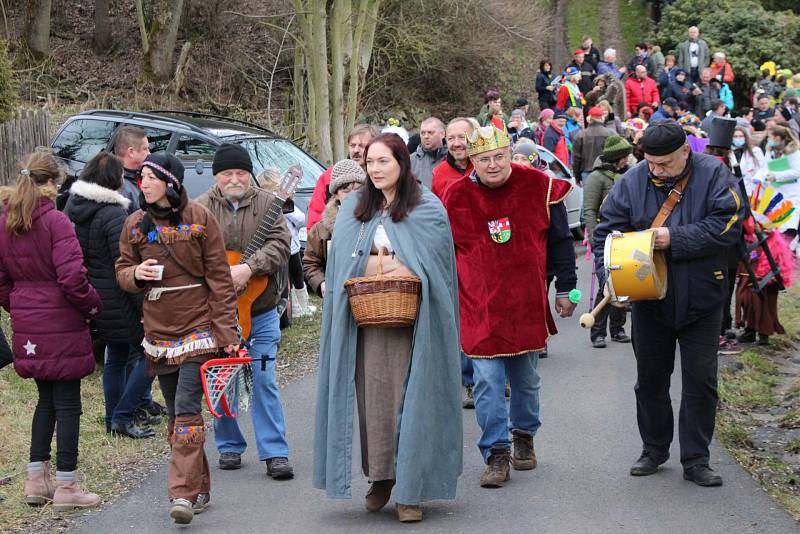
(599, 343)
(702, 475)
(142, 417)
(155, 409)
(132, 431)
(230, 460)
(749, 336)
(648, 463)
(620, 337)
(279, 468)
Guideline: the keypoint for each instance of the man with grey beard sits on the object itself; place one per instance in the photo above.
(239, 207)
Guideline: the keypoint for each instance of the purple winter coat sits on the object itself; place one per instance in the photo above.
(43, 284)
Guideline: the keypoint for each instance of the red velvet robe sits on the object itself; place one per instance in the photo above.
(503, 285)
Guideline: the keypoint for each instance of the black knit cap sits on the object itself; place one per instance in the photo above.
(167, 168)
(231, 156)
(662, 138)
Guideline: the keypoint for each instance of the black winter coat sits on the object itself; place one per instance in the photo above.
(98, 215)
(703, 226)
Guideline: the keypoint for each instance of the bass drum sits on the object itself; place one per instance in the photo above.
(633, 268)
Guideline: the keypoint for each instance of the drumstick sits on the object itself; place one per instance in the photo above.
(587, 319)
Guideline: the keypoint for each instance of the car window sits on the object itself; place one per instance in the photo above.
(554, 164)
(158, 139)
(282, 154)
(82, 139)
(191, 146)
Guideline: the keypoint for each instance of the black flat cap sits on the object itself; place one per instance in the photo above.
(662, 138)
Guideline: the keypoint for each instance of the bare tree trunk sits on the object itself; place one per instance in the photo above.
(37, 28)
(163, 36)
(184, 60)
(298, 95)
(142, 27)
(318, 53)
(340, 28)
(102, 26)
(368, 39)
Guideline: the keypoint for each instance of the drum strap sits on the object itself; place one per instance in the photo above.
(674, 197)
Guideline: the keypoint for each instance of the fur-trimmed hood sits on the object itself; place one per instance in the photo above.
(329, 215)
(86, 199)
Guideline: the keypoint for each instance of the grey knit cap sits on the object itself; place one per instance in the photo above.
(346, 172)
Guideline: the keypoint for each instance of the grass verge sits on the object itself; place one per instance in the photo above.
(111, 466)
(583, 18)
(759, 411)
(634, 24)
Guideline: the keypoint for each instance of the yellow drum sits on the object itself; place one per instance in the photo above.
(634, 270)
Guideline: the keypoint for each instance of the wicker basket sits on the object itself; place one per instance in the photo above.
(384, 301)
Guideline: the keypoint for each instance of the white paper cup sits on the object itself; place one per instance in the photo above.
(159, 271)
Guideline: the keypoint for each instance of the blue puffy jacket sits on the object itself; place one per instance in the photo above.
(703, 226)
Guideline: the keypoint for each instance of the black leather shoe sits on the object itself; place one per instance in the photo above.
(648, 463)
(143, 418)
(620, 337)
(702, 475)
(132, 431)
(230, 460)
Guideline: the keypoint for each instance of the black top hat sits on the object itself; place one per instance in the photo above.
(721, 134)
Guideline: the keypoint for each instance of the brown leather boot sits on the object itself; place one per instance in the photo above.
(188, 469)
(409, 513)
(497, 471)
(39, 486)
(69, 496)
(378, 494)
(524, 457)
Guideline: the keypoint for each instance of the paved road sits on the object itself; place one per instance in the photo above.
(585, 446)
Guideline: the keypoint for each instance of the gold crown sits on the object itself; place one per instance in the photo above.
(487, 138)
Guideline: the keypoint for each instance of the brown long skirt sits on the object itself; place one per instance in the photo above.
(756, 314)
(383, 357)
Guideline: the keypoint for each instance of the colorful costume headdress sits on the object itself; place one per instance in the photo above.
(487, 138)
(769, 208)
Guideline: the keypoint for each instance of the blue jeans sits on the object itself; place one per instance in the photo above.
(466, 371)
(266, 408)
(125, 382)
(495, 418)
(137, 355)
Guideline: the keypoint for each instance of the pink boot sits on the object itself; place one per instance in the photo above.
(39, 487)
(69, 496)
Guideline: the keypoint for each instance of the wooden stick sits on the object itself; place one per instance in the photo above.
(587, 319)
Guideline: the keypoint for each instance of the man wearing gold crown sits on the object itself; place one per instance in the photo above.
(508, 223)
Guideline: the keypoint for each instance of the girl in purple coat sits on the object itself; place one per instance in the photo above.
(43, 284)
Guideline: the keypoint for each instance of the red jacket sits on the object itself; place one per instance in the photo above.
(637, 91)
(319, 199)
(725, 69)
(444, 175)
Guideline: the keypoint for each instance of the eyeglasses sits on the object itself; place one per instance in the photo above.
(486, 160)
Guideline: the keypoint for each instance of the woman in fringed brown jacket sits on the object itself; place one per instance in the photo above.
(173, 250)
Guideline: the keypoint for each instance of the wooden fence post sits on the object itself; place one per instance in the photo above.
(19, 136)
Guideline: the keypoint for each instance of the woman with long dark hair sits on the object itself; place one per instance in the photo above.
(43, 284)
(98, 210)
(173, 250)
(406, 382)
(544, 85)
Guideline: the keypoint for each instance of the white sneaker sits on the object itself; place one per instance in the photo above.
(181, 511)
